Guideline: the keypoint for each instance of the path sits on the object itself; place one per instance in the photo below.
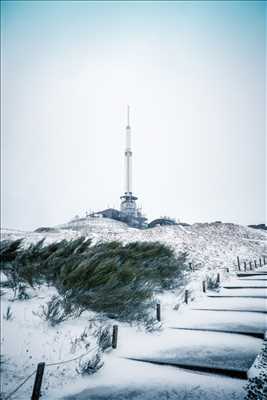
(198, 353)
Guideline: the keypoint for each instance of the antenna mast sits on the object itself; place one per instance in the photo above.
(128, 116)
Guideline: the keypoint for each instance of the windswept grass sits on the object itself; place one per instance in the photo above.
(115, 279)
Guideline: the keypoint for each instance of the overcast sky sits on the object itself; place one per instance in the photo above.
(194, 75)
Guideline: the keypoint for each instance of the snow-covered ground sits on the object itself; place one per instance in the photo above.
(26, 339)
(124, 379)
(214, 245)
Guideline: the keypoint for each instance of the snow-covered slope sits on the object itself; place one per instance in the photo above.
(209, 245)
(61, 346)
(212, 246)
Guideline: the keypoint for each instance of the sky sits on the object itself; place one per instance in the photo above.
(193, 74)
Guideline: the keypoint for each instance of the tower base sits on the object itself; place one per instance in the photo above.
(129, 211)
(128, 204)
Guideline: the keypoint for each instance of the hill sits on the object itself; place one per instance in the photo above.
(208, 245)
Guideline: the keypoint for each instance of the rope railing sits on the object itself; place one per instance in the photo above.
(49, 365)
(72, 359)
(20, 385)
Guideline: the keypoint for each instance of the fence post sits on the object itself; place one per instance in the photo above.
(218, 278)
(227, 269)
(238, 263)
(115, 336)
(250, 266)
(260, 262)
(245, 266)
(186, 296)
(264, 260)
(204, 286)
(255, 263)
(190, 266)
(36, 392)
(158, 312)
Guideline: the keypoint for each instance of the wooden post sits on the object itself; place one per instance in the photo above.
(115, 336)
(190, 266)
(186, 296)
(255, 263)
(250, 266)
(204, 286)
(238, 263)
(227, 269)
(36, 392)
(218, 278)
(158, 312)
(245, 266)
(260, 262)
(264, 260)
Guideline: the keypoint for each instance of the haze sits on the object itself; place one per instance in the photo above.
(194, 76)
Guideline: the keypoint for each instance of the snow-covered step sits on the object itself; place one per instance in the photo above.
(212, 352)
(240, 292)
(246, 274)
(245, 285)
(258, 278)
(122, 379)
(228, 321)
(259, 335)
(247, 282)
(232, 304)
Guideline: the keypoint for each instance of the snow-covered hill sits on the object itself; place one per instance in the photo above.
(208, 244)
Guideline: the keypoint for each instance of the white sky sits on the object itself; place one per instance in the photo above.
(194, 75)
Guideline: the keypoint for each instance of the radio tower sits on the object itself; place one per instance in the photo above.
(128, 205)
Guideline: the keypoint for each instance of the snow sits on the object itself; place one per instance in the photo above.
(261, 278)
(34, 237)
(209, 245)
(27, 340)
(124, 379)
(38, 342)
(214, 245)
(241, 304)
(230, 321)
(244, 292)
(237, 284)
(194, 348)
